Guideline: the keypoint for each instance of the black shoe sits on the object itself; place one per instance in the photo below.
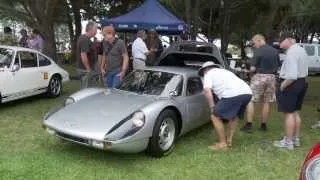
(247, 128)
(263, 128)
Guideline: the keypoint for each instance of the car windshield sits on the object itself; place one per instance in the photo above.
(6, 56)
(146, 82)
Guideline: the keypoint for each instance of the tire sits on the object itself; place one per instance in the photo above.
(54, 87)
(164, 134)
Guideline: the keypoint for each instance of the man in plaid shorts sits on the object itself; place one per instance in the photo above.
(265, 64)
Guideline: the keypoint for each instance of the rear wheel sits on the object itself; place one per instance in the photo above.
(164, 134)
(55, 86)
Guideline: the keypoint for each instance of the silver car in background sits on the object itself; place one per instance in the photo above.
(150, 109)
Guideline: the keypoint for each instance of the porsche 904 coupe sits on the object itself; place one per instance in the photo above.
(150, 109)
(25, 72)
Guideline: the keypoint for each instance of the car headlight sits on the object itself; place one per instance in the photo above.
(69, 101)
(312, 170)
(138, 119)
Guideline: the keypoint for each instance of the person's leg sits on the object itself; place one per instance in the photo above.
(250, 115)
(108, 79)
(297, 125)
(256, 87)
(219, 127)
(231, 131)
(84, 80)
(116, 79)
(290, 120)
(250, 112)
(265, 112)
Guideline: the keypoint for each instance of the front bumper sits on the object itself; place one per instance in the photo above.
(124, 146)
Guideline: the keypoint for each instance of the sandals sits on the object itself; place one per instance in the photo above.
(218, 147)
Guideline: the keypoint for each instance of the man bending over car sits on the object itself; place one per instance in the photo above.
(233, 94)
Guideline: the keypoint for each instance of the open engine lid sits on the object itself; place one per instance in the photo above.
(190, 53)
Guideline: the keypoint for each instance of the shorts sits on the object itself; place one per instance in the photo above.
(233, 107)
(263, 87)
(291, 99)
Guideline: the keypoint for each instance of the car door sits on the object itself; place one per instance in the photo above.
(312, 57)
(45, 68)
(25, 81)
(196, 103)
(318, 60)
(6, 58)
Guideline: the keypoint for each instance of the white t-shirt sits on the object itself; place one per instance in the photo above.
(139, 49)
(225, 84)
(295, 64)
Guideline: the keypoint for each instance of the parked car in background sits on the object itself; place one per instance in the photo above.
(148, 112)
(25, 72)
(313, 52)
(311, 166)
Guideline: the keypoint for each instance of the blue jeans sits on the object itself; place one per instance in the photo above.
(112, 79)
(84, 78)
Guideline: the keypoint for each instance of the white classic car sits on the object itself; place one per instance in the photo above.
(25, 72)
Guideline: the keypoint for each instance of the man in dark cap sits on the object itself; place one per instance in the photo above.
(292, 90)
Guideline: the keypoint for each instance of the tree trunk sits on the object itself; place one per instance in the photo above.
(224, 16)
(187, 4)
(50, 48)
(78, 27)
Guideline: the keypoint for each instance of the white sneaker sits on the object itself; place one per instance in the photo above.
(296, 142)
(284, 143)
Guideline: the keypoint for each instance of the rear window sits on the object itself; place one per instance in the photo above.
(310, 50)
(195, 48)
(6, 56)
(187, 59)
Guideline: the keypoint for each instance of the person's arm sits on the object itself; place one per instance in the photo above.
(85, 61)
(125, 65)
(207, 85)
(254, 61)
(125, 62)
(291, 72)
(209, 96)
(84, 49)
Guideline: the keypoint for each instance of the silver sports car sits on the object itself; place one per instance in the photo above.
(150, 109)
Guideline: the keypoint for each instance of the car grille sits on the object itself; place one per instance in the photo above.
(73, 138)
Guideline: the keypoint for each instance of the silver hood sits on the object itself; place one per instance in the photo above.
(94, 116)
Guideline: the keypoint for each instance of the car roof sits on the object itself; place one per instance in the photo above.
(17, 48)
(185, 71)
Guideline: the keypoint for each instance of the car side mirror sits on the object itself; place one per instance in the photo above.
(15, 68)
(173, 94)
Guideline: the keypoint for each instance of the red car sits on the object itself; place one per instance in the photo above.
(311, 166)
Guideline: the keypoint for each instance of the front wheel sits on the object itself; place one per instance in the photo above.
(164, 134)
(55, 86)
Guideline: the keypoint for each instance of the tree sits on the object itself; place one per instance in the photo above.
(38, 14)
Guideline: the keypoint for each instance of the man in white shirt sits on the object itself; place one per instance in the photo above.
(292, 90)
(139, 51)
(233, 94)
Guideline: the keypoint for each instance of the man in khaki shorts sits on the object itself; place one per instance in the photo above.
(265, 64)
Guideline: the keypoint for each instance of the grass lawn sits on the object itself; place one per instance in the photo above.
(28, 152)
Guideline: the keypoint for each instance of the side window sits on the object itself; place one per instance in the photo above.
(180, 87)
(17, 59)
(318, 50)
(194, 86)
(43, 61)
(28, 59)
(310, 50)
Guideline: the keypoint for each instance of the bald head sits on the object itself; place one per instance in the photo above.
(287, 43)
(258, 40)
